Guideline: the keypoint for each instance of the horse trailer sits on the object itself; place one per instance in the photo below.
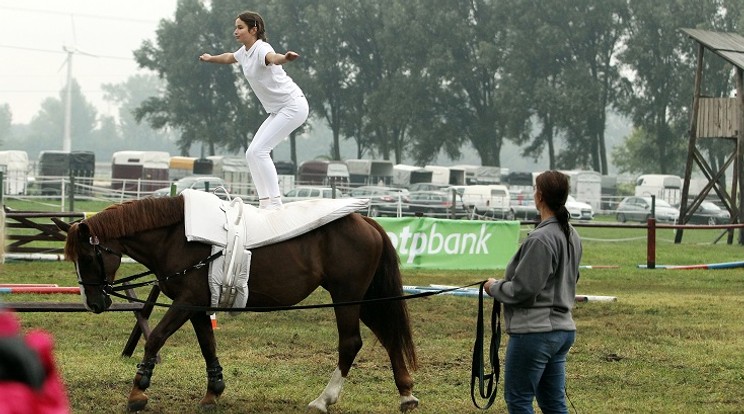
(370, 172)
(54, 166)
(585, 186)
(446, 175)
(405, 175)
(15, 167)
(139, 170)
(322, 172)
(666, 187)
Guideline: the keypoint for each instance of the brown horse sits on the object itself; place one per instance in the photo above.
(351, 257)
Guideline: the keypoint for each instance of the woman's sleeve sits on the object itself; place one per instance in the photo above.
(531, 273)
(263, 50)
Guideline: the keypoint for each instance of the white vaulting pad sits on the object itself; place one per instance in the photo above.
(206, 220)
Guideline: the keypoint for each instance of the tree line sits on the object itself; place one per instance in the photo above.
(420, 78)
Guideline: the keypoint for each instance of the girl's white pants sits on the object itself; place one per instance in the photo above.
(273, 130)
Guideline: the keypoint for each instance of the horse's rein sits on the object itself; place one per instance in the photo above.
(194, 308)
(486, 382)
(110, 287)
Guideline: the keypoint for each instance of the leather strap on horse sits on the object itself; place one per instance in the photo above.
(486, 382)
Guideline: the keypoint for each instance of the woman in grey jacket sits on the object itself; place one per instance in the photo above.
(538, 292)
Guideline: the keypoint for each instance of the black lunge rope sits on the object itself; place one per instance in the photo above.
(486, 382)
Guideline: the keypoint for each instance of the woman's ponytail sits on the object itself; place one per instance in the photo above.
(563, 216)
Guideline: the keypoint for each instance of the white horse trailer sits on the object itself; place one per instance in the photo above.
(405, 175)
(666, 187)
(446, 175)
(370, 172)
(585, 186)
(16, 168)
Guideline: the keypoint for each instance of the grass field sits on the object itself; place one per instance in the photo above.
(672, 342)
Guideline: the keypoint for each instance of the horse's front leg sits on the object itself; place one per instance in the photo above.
(205, 335)
(171, 322)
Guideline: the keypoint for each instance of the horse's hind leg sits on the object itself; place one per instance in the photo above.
(403, 381)
(395, 351)
(215, 383)
(349, 344)
(171, 322)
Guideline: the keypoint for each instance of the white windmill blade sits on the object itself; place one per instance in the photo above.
(74, 48)
(84, 53)
(65, 62)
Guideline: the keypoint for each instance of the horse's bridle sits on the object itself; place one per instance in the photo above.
(106, 287)
(111, 287)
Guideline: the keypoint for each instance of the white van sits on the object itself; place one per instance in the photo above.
(488, 200)
(665, 187)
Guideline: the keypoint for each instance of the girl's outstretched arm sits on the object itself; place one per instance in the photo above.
(225, 58)
(280, 59)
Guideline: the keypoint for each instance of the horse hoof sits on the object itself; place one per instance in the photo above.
(316, 408)
(137, 400)
(208, 403)
(136, 406)
(408, 403)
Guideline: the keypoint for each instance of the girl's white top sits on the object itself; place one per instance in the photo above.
(271, 84)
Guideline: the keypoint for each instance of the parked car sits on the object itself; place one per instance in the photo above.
(194, 182)
(639, 209)
(436, 204)
(579, 210)
(522, 205)
(310, 192)
(710, 213)
(383, 201)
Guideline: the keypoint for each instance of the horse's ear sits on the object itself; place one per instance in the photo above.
(83, 230)
(78, 230)
(62, 225)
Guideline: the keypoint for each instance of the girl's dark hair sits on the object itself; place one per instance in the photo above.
(253, 19)
(554, 187)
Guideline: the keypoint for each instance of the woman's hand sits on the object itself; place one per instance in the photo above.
(488, 284)
(205, 57)
(290, 56)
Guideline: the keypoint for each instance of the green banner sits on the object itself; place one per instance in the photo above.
(428, 243)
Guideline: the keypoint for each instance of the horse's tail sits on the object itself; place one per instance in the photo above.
(389, 319)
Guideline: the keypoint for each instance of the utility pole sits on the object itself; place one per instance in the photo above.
(67, 138)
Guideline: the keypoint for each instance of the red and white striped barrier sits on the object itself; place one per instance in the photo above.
(40, 289)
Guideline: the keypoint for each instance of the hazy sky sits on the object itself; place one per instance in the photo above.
(34, 33)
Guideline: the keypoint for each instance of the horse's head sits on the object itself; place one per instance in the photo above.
(95, 264)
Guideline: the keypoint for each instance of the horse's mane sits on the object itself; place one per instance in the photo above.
(127, 218)
(134, 216)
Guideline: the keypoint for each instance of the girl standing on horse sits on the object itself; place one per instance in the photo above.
(278, 93)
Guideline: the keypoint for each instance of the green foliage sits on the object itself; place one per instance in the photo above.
(640, 151)
(204, 101)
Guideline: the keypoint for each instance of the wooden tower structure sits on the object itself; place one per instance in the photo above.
(716, 118)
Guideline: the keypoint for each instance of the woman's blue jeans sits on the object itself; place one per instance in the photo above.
(535, 367)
